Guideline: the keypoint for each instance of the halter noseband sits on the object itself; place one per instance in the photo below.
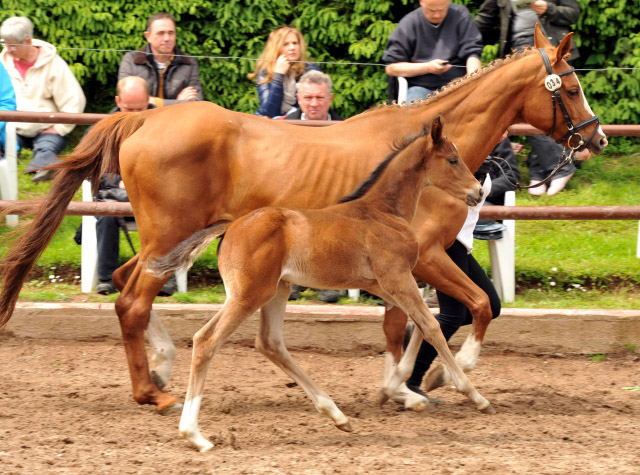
(553, 82)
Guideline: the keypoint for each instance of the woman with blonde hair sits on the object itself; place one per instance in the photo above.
(282, 62)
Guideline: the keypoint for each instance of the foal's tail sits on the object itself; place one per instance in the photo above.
(96, 154)
(183, 255)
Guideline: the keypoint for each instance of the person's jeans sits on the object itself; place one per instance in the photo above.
(108, 236)
(415, 93)
(46, 148)
(544, 157)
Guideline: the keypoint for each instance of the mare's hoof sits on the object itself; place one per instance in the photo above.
(157, 380)
(175, 408)
(421, 406)
(382, 398)
(345, 427)
(488, 410)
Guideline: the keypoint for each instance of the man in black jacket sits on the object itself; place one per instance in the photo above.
(132, 95)
(314, 98)
(172, 76)
(512, 23)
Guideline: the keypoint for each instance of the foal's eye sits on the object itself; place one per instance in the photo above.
(452, 160)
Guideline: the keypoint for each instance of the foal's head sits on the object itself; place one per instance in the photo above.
(446, 170)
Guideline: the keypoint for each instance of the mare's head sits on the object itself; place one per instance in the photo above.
(556, 104)
(446, 170)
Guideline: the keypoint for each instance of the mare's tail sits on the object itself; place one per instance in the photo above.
(183, 255)
(96, 154)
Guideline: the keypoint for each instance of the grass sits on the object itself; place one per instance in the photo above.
(559, 264)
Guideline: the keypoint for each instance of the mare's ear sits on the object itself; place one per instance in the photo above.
(539, 40)
(564, 48)
(436, 129)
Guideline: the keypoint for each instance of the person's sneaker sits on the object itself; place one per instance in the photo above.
(42, 175)
(328, 296)
(169, 288)
(432, 299)
(295, 291)
(557, 185)
(106, 287)
(537, 190)
(417, 390)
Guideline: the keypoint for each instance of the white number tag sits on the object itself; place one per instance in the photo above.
(553, 82)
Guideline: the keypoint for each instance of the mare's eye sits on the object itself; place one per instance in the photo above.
(452, 160)
(573, 93)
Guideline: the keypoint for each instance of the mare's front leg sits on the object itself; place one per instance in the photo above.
(270, 343)
(403, 291)
(133, 308)
(436, 268)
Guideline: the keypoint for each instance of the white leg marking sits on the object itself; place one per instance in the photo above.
(189, 425)
(163, 350)
(468, 355)
(327, 407)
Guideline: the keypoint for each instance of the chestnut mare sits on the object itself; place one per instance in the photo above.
(190, 165)
(366, 242)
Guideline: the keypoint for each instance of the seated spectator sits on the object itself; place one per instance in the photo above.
(132, 95)
(7, 102)
(172, 76)
(501, 166)
(431, 46)
(314, 97)
(43, 82)
(282, 62)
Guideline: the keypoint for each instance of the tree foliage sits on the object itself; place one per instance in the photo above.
(226, 37)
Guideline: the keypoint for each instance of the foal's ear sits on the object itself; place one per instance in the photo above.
(436, 130)
(564, 48)
(539, 40)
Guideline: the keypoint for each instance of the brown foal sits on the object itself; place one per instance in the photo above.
(365, 242)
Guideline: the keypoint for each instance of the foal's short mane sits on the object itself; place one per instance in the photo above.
(397, 147)
(456, 84)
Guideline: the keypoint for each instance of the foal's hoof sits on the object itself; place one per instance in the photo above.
(345, 427)
(175, 408)
(488, 410)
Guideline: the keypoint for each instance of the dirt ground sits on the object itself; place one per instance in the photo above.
(66, 407)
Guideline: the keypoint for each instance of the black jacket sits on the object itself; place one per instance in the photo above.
(494, 22)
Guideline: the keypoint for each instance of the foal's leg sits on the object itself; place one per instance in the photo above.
(271, 344)
(206, 343)
(407, 296)
(441, 272)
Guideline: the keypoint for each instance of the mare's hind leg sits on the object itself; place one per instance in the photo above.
(271, 344)
(133, 308)
(403, 291)
(206, 343)
(163, 350)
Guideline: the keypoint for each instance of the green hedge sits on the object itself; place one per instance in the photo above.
(342, 32)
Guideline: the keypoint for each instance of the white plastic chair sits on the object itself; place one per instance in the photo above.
(89, 252)
(9, 170)
(403, 87)
(503, 256)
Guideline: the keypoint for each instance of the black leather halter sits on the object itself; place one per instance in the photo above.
(553, 84)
